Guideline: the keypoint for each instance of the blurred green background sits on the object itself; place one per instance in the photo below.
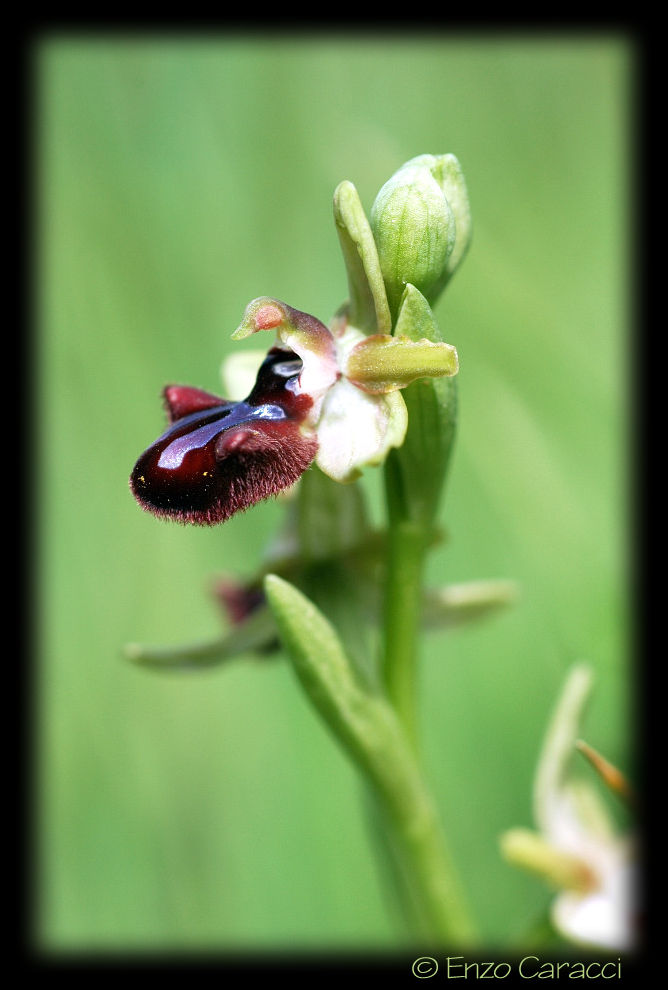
(178, 178)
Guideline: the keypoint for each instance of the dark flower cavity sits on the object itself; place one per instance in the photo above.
(238, 600)
(219, 457)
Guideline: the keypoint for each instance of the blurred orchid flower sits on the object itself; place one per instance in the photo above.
(576, 848)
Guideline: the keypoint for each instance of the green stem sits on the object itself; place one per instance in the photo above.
(425, 866)
(407, 546)
(422, 861)
(425, 870)
(419, 855)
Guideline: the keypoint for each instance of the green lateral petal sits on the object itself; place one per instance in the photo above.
(383, 363)
(532, 852)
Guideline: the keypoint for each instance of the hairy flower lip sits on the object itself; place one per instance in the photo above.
(217, 457)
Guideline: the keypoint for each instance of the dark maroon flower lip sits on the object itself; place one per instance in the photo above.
(218, 457)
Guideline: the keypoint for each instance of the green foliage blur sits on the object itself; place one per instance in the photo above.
(178, 178)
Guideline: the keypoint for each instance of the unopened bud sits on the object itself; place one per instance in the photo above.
(421, 224)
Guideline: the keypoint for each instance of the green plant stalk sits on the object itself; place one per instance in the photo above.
(419, 851)
(411, 506)
(406, 553)
(425, 868)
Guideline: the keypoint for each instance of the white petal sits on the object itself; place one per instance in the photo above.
(319, 371)
(320, 368)
(356, 429)
(604, 917)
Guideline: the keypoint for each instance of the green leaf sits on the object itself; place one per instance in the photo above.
(368, 729)
(362, 721)
(324, 670)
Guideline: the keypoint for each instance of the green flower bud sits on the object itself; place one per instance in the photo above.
(422, 226)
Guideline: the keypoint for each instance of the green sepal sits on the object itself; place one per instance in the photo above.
(256, 634)
(368, 306)
(448, 173)
(459, 604)
(559, 742)
(416, 471)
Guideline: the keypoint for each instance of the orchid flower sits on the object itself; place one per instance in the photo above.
(576, 849)
(324, 396)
